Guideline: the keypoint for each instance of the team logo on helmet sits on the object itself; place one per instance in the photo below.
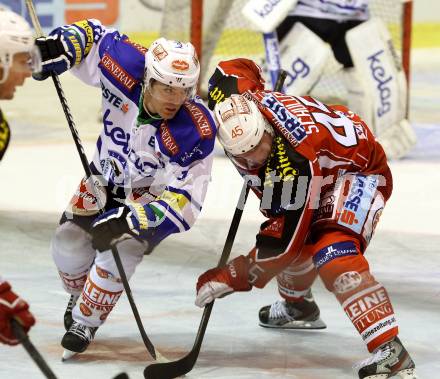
(180, 65)
(159, 52)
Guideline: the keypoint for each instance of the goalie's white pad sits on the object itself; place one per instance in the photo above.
(266, 15)
(398, 139)
(304, 56)
(383, 85)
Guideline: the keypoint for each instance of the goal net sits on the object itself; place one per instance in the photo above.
(226, 34)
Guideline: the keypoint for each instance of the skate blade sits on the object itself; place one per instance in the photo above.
(304, 325)
(67, 354)
(405, 374)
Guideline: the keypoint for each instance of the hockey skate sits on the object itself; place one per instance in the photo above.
(391, 360)
(68, 320)
(77, 339)
(292, 315)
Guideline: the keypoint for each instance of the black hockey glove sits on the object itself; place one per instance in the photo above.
(110, 226)
(56, 55)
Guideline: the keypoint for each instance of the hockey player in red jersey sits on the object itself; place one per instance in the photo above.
(16, 53)
(12, 307)
(323, 181)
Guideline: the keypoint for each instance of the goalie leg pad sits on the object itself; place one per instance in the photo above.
(398, 139)
(380, 75)
(303, 56)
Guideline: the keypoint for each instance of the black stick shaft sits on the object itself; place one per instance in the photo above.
(184, 365)
(79, 147)
(32, 350)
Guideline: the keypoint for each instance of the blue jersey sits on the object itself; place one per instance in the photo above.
(168, 161)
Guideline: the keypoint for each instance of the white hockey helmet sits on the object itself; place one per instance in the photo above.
(15, 37)
(173, 63)
(240, 124)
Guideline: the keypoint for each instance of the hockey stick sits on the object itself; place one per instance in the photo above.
(32, 350)
(148, 344)
(184, 365)
(35, 354)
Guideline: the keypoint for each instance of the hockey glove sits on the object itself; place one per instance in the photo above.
(110, 226)
(219, 282)
(58, 54)
(12, 307)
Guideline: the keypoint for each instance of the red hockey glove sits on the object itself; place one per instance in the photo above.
(12, 307)
(219, 282)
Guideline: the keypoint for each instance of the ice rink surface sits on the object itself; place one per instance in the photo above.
(38, 175)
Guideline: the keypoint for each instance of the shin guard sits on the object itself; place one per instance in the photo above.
(345, 272)
(98, 298)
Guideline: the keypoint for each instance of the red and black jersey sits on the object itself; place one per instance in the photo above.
(314, 145)
(330, 136)
(5, 135)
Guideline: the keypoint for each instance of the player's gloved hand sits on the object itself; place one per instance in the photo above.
(112, 225)
(57, 55)
(12, 307)
(219, 282)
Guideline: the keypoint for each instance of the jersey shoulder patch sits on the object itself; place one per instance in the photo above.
(189, 136)
(121, 62)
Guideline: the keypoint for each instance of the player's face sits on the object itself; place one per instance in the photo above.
(257, 157)
(164, 100)
(19, 71)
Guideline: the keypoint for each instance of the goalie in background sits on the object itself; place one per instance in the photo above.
(18, 59)
(322, 192)
(372, 73)
(152, 163)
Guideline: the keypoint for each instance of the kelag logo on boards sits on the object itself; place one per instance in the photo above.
(54, 13)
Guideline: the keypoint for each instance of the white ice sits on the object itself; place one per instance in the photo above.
(37, 179)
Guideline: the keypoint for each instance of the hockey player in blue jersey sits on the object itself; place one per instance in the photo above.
(153, 160)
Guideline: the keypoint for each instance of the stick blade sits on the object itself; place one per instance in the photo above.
(122, 375)
(171, 370)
